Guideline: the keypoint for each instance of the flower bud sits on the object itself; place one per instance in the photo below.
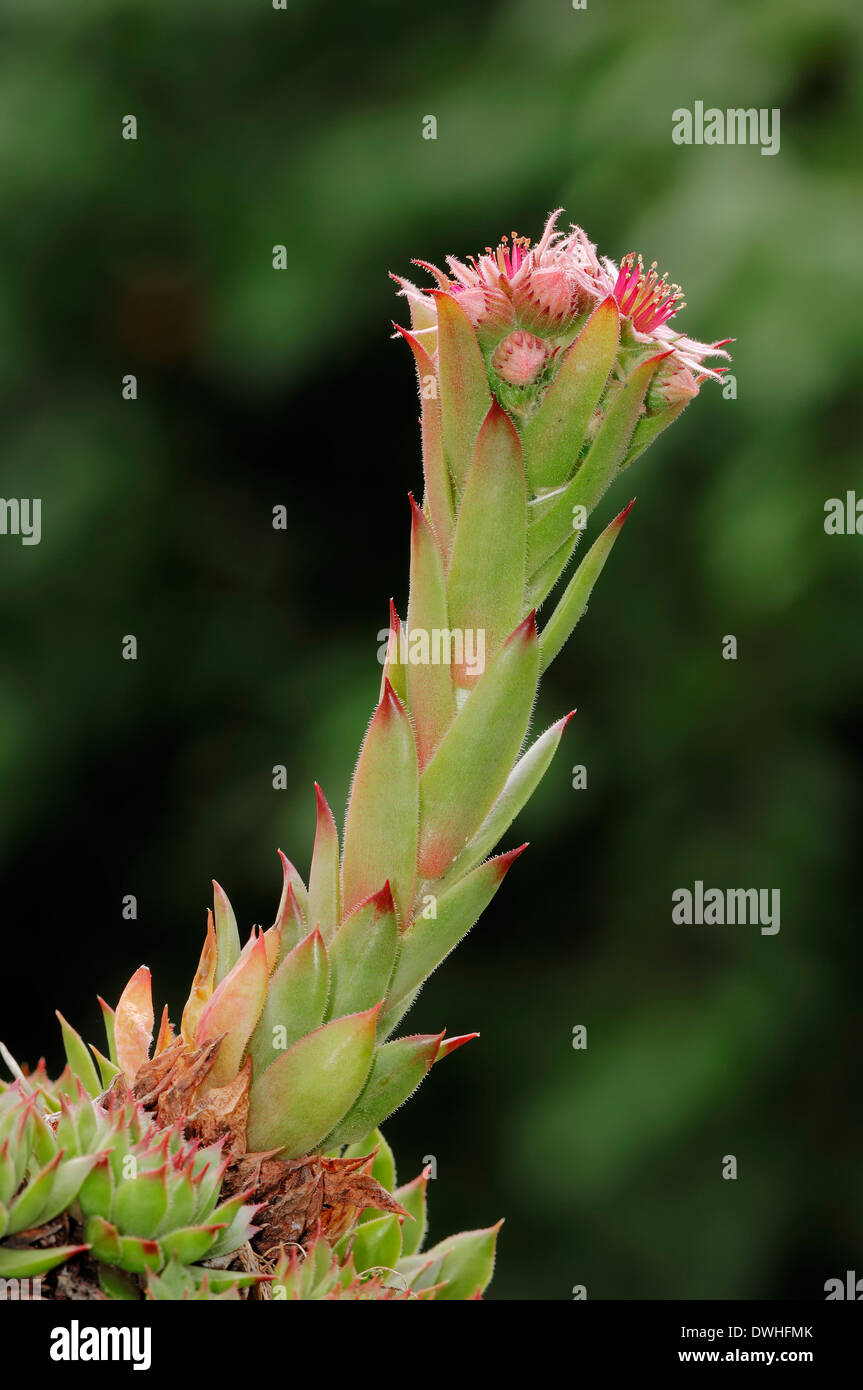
(520, 358)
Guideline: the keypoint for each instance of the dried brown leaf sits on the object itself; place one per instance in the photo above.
(223, 1111)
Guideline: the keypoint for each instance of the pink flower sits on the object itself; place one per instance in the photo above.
(646, 304)
(518, 297)
(515, 285)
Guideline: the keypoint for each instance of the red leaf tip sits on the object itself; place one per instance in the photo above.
(526, 629)
(504, 861)
(383, 898)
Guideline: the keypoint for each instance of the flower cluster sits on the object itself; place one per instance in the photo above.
(527, 304)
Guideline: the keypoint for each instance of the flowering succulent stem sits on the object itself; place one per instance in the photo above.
(544, 372)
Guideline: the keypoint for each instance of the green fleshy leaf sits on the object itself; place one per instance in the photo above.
(140, 1204)
(43, 1140)
(139, 1255)
(429, 682)
(107, 1070)
(438, 489)
(290, 917)
(27, 1264)
(464, 395)
(306, 1091)
(108, 1016)
(541, 583)
(377, 1243)
(227, 934)
(650, 427)
(574, 600)
(117, 1285)
(394, 669)
(291, 878)
(104, 1238)
(96, 1194)
(397, 1070)
(389, 1023)
(219, 1280)
(79, 1059)
(553, 527)
(324, 885)
(237, 1216)
(553, 437)
(8, 1180)
(57, 1188)
(26, 1208)
(413, 1198)
(190, 1244)
(431, 939)
(485, 582)
(296, 1002)
(208, 1171)
(520, 786)
(181, 1205)
(470, 766)
(362, 955)
(463, 1263)
(381, 824)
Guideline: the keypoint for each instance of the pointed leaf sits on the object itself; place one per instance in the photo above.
(574, 600)
(394, 669)
(324, 892)
(227, 935)
(362, 955)
(234, 1010)
(553, 528)
(25, 1210)
(438, 489)
(520, 786)
(107, 1070)
(97, 1190)
(27, 1264)
(108, 1016)
(381, 825)
(485, 583)
(79, 1059)
(202, 985)
(140, 1203)
(464, 394)
(413, 1198)
(191, 1243)
(397, 1070)
(463, 1263)
(553, 437)
(473, 760)
(431, 939)
(137, 1255)
(295, 1003)
(306, 1091)
(429, 681)
(133, 1023)
(649, 428)
(291, 879)
(377, 1243)
(541, 583)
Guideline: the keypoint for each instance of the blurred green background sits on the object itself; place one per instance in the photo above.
(257, 647)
